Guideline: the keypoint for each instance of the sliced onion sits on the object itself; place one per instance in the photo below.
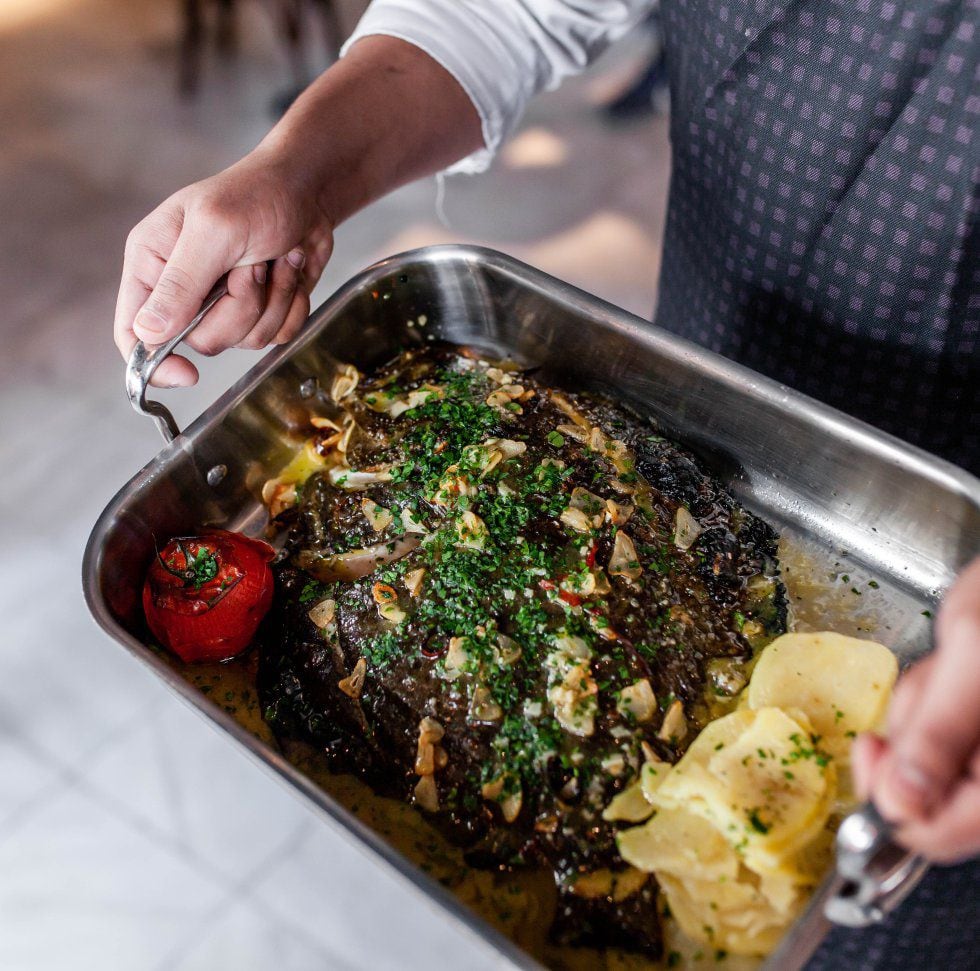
(356, 563)
(344, 478)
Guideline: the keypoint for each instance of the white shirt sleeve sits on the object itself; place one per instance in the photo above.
(502, 52)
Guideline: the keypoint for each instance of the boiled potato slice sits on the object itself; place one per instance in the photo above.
(842, 683)
(757, 777)
(679, 842)
(804, 868)
(737, 919)
(652, 776)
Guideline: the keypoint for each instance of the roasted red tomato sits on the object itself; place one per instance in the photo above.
(205, 595)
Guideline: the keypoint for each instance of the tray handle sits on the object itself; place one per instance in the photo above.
(145, 359)
(876, 874)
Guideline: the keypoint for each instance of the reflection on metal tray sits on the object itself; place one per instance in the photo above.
(833, 484)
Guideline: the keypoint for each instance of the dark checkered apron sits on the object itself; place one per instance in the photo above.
(824, 220)
(824, 229)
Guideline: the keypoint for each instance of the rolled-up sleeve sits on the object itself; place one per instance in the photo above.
(502, 52)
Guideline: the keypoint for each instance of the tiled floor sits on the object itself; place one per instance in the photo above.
(132, 836)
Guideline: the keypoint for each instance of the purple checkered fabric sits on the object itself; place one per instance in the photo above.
(824, 221)
(824, 229)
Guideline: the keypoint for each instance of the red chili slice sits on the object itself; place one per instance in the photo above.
(572, 599)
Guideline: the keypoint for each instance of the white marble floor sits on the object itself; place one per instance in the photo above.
(131, 835)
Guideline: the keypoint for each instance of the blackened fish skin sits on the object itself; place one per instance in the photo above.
(530, 759)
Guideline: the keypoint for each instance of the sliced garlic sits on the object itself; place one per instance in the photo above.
(507, 446)
(510, 802)
(410, 524)
(511, 805)
(354, 564)
(589, 503)
(572, 689)
(674, 727)
(413, 581)
(278, 496)
(425, 759)
(472, 532)
(575, 519)
(379, 518)
(631, 806)
(620, 456)
(323, 613)
(637, 701)
(431, 730)
(354, 683)
(498, 376)
(427, 794)
(563, 404)
(614, 764)
(618, 514)
(507, 651)
(623, 561)
(482, 706)
(344, 382)
(505, 396)
(392, 613)
(343, 443)
(452, 485)
(574, 431)
(457, 659)
(686, 529)
(389, 403)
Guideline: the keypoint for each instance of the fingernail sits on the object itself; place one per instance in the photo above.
(149, 322)
(915, 788)
(259, 271)
(296, 258)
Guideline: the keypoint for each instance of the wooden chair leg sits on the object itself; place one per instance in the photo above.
(190, 49)
(330, 27)
(291, 25)
(227, 34)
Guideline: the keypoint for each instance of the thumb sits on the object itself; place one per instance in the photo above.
(931, 749)
(196, 262)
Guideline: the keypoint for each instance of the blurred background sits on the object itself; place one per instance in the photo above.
(132, 836)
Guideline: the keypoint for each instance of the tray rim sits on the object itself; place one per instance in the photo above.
(807, 931)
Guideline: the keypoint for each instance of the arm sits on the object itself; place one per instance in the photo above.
(400, 115)
(423, 83)
(926, 776)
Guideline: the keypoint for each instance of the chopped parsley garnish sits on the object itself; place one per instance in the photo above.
(757, 824)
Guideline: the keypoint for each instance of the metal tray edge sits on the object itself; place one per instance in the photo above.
(805, 933)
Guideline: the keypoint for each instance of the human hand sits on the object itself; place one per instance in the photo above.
(925, 776)
(257, 220)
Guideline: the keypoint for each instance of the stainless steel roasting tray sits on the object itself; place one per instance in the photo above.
(847, 493)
